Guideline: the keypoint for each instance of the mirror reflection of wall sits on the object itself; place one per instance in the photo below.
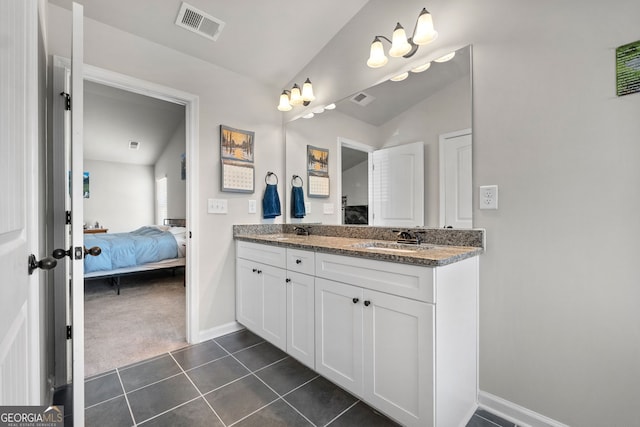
(428, 107)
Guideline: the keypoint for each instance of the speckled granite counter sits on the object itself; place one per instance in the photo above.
(439, 246)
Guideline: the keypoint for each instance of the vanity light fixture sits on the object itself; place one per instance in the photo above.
(421, 68)
(424, 33)
(295, 97)
(331, 106)
(308, 116)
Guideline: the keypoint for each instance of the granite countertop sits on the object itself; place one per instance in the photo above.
(426, 254)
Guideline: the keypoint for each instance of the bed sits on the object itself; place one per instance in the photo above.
(154, 247)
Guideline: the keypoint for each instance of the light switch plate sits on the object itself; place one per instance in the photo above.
(327, 208)
(217, 206)
(488, 197)
(252, 206)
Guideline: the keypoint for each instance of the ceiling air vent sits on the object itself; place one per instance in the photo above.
(134, 145)
(199, 22)
(362, 99)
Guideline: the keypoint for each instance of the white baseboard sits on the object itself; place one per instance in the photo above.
(227, 328)
(517, 414)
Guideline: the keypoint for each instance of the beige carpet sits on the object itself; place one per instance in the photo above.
(145, 320)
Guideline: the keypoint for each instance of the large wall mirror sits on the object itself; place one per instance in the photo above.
(399, 153)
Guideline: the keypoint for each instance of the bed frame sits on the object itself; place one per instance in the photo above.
(167, 264)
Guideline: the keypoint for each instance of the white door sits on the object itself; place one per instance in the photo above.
(456, 199)
(19, 205)
(339, 333)
(398, 186)
(77, 232)
(274, 305)
(249, 294)
(399, 357)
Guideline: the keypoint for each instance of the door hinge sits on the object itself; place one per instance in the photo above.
(69, 334)
(67, 97)
(68, 217)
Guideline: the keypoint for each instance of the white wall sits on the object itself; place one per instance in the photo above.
(224, 98)
(559, 290)
(121, 196)
(169, 166)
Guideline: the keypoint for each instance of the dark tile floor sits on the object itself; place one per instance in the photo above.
(234, 380)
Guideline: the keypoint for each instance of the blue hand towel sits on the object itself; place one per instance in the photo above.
(297, 202)
(271, 202)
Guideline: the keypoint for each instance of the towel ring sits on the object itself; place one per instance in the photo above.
(266, 178)
(293, 181)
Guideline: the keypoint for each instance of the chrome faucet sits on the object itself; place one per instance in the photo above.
(409, 236)
(301, 231)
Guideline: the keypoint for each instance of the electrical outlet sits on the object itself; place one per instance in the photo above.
(252, 206)
(489, 197)
(217, 206)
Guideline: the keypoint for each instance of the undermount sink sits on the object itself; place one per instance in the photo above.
(392, 247)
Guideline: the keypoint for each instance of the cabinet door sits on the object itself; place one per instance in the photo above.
(399, 357)
(300, 318)
(248, 295)
(339, 333)
(274, 306)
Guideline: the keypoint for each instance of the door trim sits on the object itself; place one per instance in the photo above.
(192, 114)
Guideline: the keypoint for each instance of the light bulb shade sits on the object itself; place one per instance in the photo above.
(421, 68)
(399, 77)
(284, 102)
(307, 91)
(296, 96)
(446, 57)
(424, 32)
(331, 106)
(377, 57)
(399, 44)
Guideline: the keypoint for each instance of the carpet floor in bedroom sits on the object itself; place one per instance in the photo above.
(145, 320)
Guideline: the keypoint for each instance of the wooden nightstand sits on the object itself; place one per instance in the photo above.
(95, 230)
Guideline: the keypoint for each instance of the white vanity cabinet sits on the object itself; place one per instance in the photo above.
(401, 337)
(274, 299)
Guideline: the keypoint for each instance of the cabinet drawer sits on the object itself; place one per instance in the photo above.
(301, 261)
(266, 254)
(409, 281)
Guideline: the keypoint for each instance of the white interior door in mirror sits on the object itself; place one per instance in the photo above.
(456, 204)
(398, 177)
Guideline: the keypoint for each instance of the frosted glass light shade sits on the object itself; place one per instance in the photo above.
(424, 33)
(296, 96)
(307, 91)
(399, 77)
(284, 102)
(399, 44)
(421, 68)
(446, 57)
(377, 57)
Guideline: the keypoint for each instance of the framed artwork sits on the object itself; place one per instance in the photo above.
(317, 172)
(237, 155)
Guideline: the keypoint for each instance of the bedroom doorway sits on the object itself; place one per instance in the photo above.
(187, 108)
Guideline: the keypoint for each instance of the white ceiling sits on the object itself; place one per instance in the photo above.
(269, 41)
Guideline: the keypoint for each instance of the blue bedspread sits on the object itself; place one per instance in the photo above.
(120, 250)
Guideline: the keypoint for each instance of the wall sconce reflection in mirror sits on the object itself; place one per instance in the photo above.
(295, 96)
(423, 34)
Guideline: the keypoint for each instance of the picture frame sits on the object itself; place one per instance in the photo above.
(237, 173)
(318, 183)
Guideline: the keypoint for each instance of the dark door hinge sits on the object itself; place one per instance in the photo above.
(69, 334)
(68, 217)
(67, 97)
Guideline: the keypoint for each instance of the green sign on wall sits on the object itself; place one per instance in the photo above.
(628, 69)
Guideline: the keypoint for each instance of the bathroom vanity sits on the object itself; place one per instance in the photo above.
(396, 325)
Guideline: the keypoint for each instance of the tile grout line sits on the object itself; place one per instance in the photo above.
(343, 412)
(198, 390)
(126, 398)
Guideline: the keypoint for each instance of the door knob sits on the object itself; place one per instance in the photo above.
(298, 261)
(287, 280)
(93, 251)
(367, 303)
(45, 263)
(355, 300)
